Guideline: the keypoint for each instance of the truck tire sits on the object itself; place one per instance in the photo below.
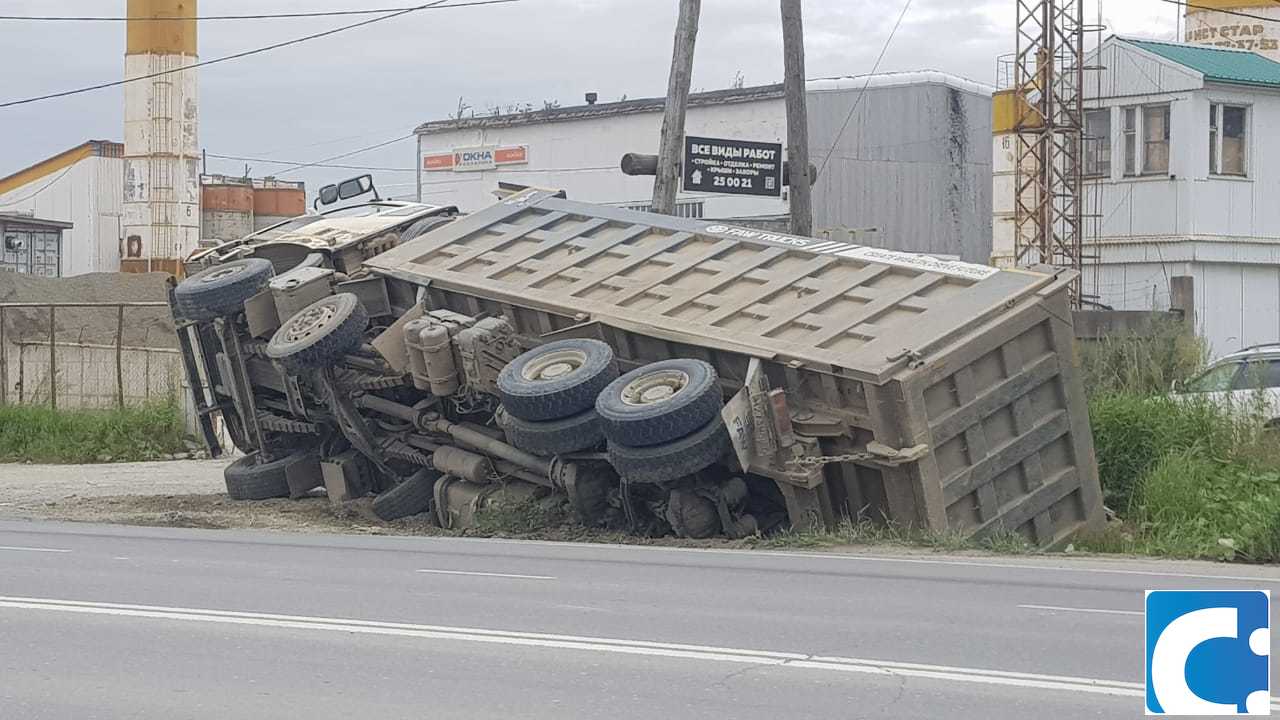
(683, 457)
(221, 290)
(247, 479)
(659, 402)
(556, 380)
(410, 497)
(555, 437)
(320, 334)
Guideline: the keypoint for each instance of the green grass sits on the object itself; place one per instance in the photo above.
(1190, 506)
(1133, 433)
(42, 435)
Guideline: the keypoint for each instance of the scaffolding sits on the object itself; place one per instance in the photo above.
(1048, 70)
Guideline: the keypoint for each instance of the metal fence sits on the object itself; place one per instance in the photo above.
(48, 367)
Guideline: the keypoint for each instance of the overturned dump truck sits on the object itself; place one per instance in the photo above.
(660, 374)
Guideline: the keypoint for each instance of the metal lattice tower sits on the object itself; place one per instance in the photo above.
(1049, 73)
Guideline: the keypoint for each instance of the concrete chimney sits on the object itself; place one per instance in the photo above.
(161, 146)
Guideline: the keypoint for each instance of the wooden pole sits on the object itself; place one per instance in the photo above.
(667, 180)
(53, 362)
(797, 118)
(120, 357)
(4, 363)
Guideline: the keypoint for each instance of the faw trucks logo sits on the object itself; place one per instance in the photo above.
(926, 263)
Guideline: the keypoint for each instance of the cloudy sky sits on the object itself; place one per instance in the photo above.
(326, 97)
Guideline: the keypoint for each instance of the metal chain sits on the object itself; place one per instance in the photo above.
(810, 461)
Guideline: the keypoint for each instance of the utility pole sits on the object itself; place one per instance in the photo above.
(797, 118)
(667, 179)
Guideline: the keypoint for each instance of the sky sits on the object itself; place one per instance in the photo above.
(318, 99)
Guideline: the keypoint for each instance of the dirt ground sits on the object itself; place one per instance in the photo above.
(180, 493)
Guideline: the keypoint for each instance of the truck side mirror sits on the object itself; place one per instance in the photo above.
(328, 195)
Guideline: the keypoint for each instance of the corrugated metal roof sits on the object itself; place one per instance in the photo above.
(1217, 64)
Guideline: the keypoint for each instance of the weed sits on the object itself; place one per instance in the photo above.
(1132, 434)
(1146, 364)
(40, 434)
(524, 518)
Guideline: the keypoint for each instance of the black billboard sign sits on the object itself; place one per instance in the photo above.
(732, 167)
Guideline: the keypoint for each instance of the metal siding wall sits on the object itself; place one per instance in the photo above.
(915, 162)
(582, 156)
(898, 147)
(1221, 231)
(90, 196)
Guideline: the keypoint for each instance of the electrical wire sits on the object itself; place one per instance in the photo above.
(858, 100)
(246, 53)
(1185, 4)
(269, 161)
(340, 156)
(201, 18)
(44, 187)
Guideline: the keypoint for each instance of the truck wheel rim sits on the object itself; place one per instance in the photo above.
(553, 365)
(309, 321)
(221, 273)
(656, 387)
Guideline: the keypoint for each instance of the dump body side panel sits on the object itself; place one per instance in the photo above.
(1006, 417)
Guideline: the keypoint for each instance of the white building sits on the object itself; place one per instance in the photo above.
(1180, 165)
(905, 164)
(83, 186)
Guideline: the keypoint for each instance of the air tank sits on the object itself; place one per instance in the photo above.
(1214, 22)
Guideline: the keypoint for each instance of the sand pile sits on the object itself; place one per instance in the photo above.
(143, 327)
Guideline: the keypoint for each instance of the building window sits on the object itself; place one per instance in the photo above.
(1227, 139)
(1097, 143)
(1146, 140)
(1155, 140)
(1130, 141)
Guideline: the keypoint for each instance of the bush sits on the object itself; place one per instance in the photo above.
(40, 434)
(1132, 434)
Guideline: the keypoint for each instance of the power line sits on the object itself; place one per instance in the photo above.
(246, 53)
(201, 18)
(269, 161)
(375, 146)
(44, 187)
(1183, 3)
(834, 143)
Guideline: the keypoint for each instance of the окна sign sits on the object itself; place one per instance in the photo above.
(476, 158)
(733, 167)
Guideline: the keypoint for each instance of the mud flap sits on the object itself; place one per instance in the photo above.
(808, 510)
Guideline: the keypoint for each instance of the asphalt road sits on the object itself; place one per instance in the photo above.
(117, 622)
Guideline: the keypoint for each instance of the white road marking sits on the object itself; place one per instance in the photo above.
(34, 549)
(488, 574)
(1099, 611)
(593, 644)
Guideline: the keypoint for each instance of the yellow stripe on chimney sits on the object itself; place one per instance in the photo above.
(161, 37)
